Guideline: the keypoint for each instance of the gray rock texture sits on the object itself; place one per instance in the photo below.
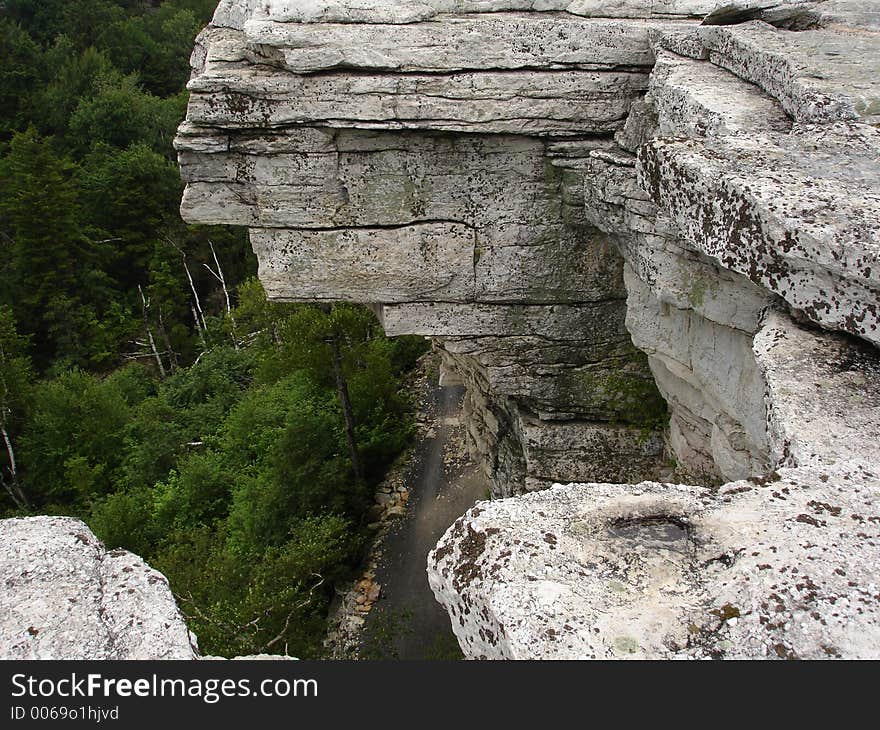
(777, 568)
(645, 238)
(798, 214)
(426, 158)
(66, 597)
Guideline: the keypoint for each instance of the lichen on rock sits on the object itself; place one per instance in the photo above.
(66, 597)
(645, 238)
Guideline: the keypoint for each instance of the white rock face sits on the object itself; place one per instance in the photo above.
(798, 214)
(66, 597)
(817, 76)
(698, 99)
(515, 102)
(706, 372)
(781, 568)
(423, 158)
(458, 43)
(821, 394)
(645, 238)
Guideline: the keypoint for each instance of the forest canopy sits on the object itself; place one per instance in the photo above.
(146, 385)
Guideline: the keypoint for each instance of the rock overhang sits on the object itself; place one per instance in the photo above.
(517, 181)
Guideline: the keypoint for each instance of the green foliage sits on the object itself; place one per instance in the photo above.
(203, 394)
(72, 441)
(240, 490)
(124, 520)
(43, 268)
(156, 45)
(91, 93)
(19, 72)
(120, 114)
(211, 442)
(72, 75)
(276, 604)
(15, 371)
(153, 441)
(196, 495)
(15, 389)
(258, 421)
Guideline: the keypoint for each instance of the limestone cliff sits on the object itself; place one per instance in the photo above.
(637, 232)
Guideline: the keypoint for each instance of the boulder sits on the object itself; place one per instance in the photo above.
(66, 597)
(778, 568)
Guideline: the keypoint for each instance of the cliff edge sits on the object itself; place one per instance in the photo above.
(645, 237)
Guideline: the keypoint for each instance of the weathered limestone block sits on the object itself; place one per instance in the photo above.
(526, 427)
(412, 11)
(777, 568)
(493, 438)
(568, 380)
(529, 246)
(850, 14)
(567, 264)
(693, 318)
(697, 99)
(570, 449)
(239, 95)
(798, 214)
(707, 374)
(66, 597)
(817, 76)
(532, 245)
(677, 8)
(436, 261)
(613, 198)
(429, 169)
(234, 13)
(457, 43)
(823, 394)
(568, 322)
(427, 261)
(688, 280)
(318, 178)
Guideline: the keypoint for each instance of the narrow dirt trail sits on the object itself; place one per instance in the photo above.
(406, 622)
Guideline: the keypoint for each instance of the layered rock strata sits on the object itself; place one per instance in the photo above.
(750, 201)
(588, 206)
(431, 169)
(778, 566)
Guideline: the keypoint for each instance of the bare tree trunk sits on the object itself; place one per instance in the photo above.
(156, 355)
(14, 489)
(219, 276)
(172, 355)
(201, 332)
(201, 325)
(347, 413)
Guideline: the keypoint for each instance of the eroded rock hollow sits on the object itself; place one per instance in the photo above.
(645, 237)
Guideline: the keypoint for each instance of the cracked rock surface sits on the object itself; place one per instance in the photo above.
(764, 568)
(66, 597)
(777, 566)
(644, 237)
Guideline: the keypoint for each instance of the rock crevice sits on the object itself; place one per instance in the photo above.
(646, 240)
